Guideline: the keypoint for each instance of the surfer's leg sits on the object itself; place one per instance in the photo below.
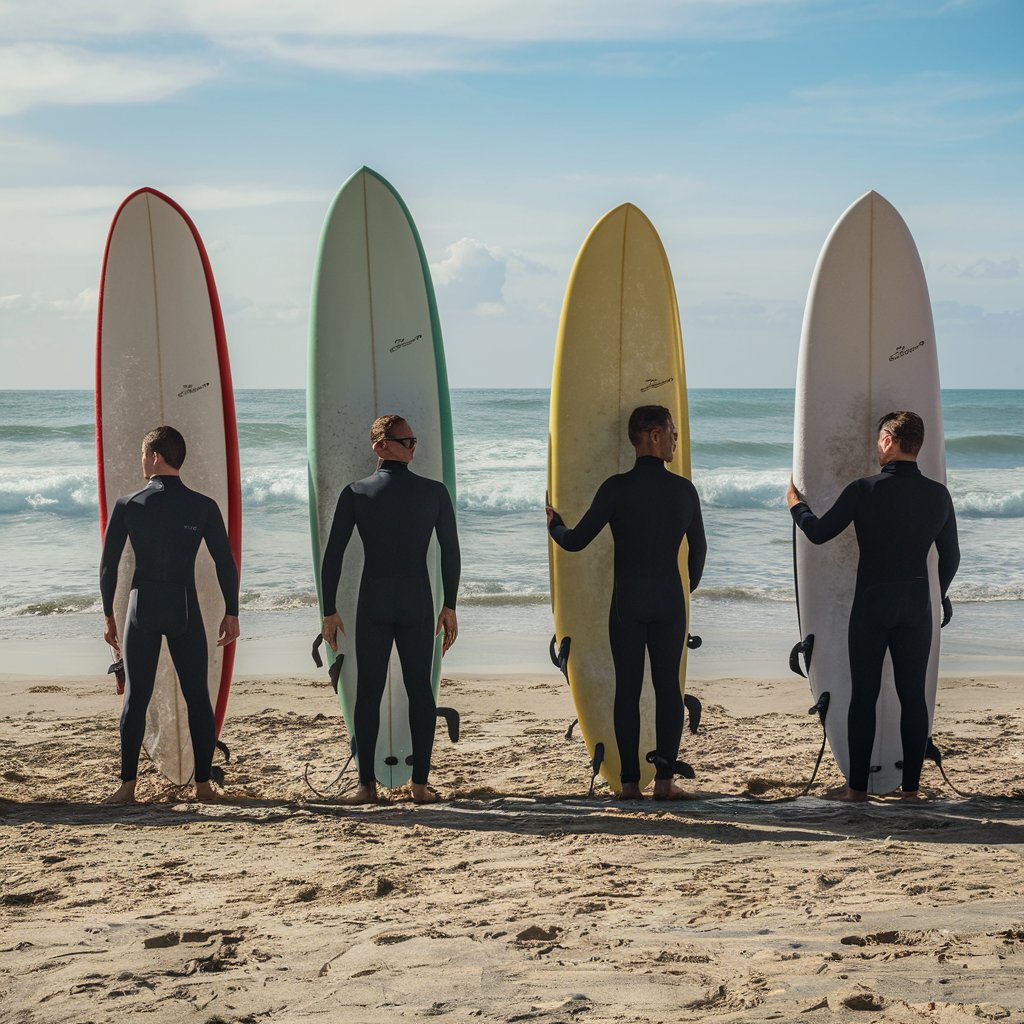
(628, 638)
(910, 644)
(190, 655)
(141, 656)
(415, 644)
(374, 638)
(867, 639)
(665, 640)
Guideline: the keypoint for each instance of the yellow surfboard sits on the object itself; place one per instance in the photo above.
(619, 346)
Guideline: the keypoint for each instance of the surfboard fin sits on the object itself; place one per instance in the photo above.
(693, 642)
(821, 708)
(595, 766)
(225, 750)
(693, 710)
(804, 647)
(335, 670)
(452, 720)
(560, 658)
(568, 732)
(680, 768)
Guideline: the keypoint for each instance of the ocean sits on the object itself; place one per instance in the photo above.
(742, 452)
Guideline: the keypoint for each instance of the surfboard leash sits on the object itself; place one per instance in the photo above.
(333, 782)
(821, 709)
(932, 753)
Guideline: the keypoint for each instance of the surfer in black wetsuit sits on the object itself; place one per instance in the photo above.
(396, 512)
(898, 515)
(166, 522)
(650, 510)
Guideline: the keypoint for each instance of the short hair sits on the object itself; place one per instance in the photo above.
(166, 441)
(905, 428)
(383, 425)
(646, 417)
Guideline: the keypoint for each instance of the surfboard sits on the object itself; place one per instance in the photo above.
(162, 358)
(619, 346)
(375, 347)
(867, 348)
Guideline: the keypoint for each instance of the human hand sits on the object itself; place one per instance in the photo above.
(331, 625)
(947, 611)
(550, 513)
(228, 630)
(792, 494)
(447, 621)
(110, 635)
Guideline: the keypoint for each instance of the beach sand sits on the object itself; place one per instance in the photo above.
(517, 899)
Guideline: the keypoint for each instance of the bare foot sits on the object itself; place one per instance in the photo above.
(423, 794)
(362, 795)
(630, 791)
(846, 795)
(124, 794)
(666, 789)
(206, 794)
(911, 794)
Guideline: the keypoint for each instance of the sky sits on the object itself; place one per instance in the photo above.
(742, 128)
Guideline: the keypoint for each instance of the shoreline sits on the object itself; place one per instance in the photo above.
(751, 639)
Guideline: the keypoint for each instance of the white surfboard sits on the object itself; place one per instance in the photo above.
(162, 358)
(868, 348)
(374, 348)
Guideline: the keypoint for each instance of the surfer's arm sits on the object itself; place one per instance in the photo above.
(334, 553)
(592, 523)
(113, 545)
(948, 546)
(697, 545)
(833, 522)
(217, 543)
(451, 555)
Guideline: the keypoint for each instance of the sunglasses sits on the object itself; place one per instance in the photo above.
(408, 443)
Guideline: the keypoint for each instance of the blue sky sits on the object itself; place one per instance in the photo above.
(743, 128)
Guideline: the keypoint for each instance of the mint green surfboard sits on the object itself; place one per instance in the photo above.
(374, 347)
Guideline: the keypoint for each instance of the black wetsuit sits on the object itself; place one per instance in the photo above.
(395, 512)
(897, 514)
(650, 510)
(166, 522)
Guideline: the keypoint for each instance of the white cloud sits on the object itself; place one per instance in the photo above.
(74, 199)
(945, 106)
(390, 37)
(992, 270)
(85, 302)
(471, 275)
(499, 21)
(40, 74)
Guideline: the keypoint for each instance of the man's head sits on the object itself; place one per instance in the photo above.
(163, 451)
(392, 438)
(900, 436)
(652, 432)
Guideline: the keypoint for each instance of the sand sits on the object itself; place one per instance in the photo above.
(517, 899)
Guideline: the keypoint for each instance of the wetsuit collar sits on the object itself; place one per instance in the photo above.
(902, 466)
(393, 466)
(650, 460)
(165, 482)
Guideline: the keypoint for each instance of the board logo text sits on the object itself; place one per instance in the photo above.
(403, 342)
(905, 350)
(191, 389)
(652, 382)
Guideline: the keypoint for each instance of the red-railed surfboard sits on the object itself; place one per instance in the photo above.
(162, 358)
